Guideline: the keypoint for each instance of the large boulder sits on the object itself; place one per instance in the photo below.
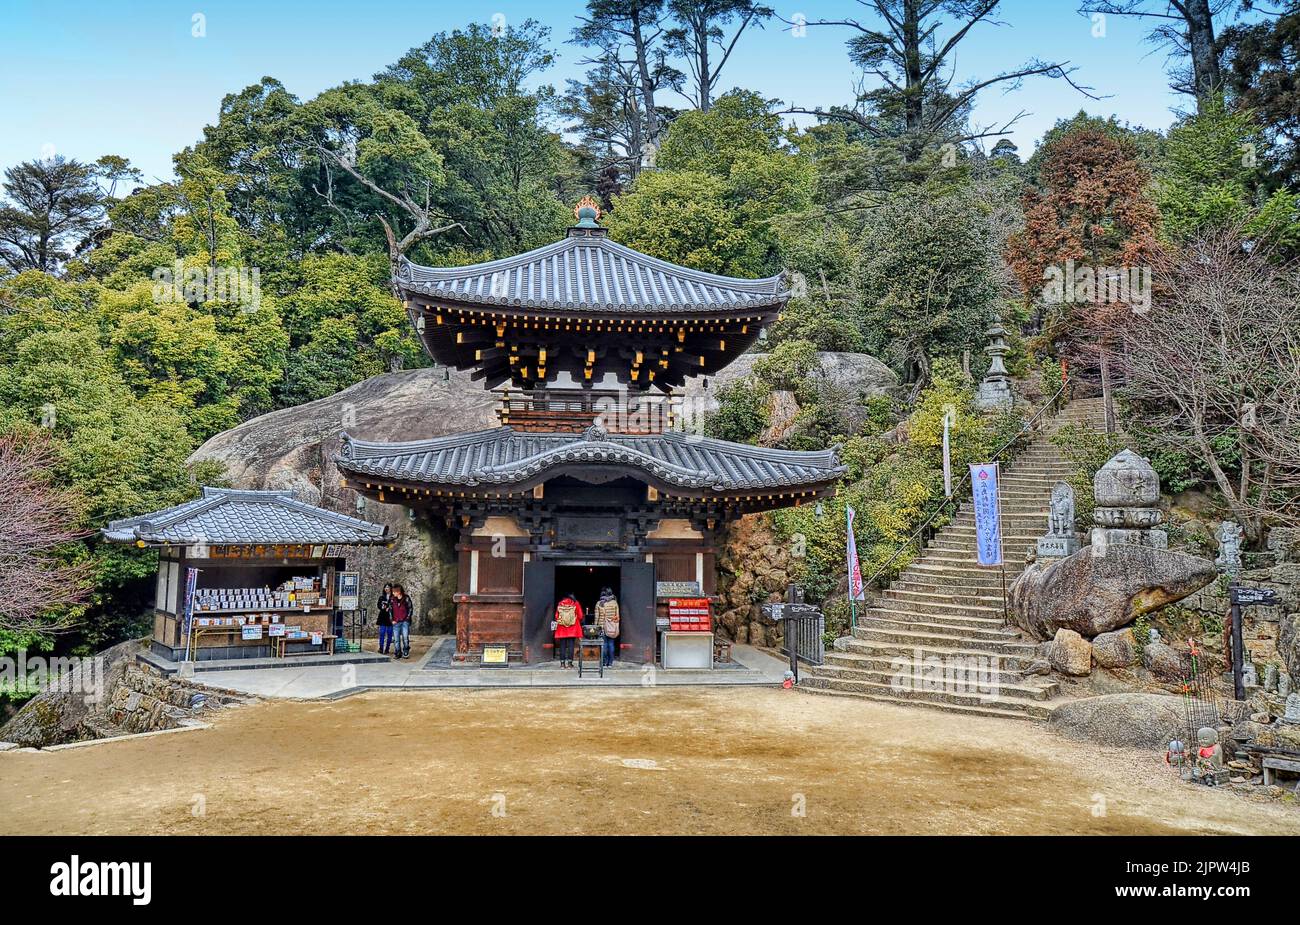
(854, 375)
(1132, 720)
(109, 694)
(294, 449)
(1116, 649)
(1071, 654)
(1093, 593)
(1163, 661)
(63, 713)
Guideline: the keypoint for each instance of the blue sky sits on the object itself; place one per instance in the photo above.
(90, 78)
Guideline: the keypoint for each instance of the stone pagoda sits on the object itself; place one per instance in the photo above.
(1127, 492)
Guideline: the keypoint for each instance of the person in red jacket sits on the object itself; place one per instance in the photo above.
(401, 614)
(568, 627)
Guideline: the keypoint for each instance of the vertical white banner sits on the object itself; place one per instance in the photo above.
(988, 522)
(947, 456)
(856, 591)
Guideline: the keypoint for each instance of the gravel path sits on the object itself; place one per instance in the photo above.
(615, 761)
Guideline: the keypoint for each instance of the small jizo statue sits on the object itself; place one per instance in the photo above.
(1209, 755)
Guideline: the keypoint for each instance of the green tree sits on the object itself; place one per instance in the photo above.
(726, 186)
(928, 278)
(1260, 61)
(1213, 178)
(50, 207)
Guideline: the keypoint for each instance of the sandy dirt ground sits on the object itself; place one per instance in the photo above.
(696, 760)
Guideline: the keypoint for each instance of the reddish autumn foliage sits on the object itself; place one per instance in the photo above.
(1092, 207)
(1090, 215)
(37, 521)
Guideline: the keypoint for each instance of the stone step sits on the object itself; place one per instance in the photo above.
(1014, 548)
(927, 608)
(1022, 522)
(926, 574)
(961, 602)
(973, 634)
(914, 579)
(995, 669)
(951, 562)
(1004, 661)
(999, 707)
(905, 680)
(934, 602)
(905, 618)
(953, 531)
(950, 639)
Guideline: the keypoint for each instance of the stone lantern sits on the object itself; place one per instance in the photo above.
(1127, 493)
(995, 390)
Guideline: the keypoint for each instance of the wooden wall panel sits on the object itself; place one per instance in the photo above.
(500, 574)
(481, 622)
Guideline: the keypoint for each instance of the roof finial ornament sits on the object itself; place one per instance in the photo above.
(587, 212)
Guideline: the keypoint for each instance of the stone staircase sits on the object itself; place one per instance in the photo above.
(936, 637)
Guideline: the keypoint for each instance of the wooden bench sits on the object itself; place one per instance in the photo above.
(279, 648)
(1272, 764)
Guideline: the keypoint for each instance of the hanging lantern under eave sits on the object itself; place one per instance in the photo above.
(419, 323)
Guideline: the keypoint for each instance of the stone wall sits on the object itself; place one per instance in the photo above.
(753, 569)
(1271, 634)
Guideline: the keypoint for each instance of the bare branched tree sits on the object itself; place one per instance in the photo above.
(1186, 27)
(700, 39)
(906, 50)
(1213, 370)
(38, 586)
(414, 204)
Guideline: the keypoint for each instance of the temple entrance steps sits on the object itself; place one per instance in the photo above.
(937, 636)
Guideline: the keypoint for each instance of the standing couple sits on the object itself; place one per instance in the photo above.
(394, 621)
(567, 626)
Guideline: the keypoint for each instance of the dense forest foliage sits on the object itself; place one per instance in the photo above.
(137, 320)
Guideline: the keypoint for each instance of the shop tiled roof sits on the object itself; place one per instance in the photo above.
(503, 456)
(591, 273)
(229, 517)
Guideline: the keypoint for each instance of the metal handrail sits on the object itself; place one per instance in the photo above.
(948, 501)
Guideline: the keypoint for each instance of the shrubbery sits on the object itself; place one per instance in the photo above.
(893, 487)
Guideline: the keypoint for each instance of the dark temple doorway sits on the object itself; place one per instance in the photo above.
(547, 580)
(584, 582)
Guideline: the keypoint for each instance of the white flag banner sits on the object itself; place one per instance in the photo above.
(856, 591)
(988, 521)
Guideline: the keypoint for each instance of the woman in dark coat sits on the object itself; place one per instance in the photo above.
(384, 619)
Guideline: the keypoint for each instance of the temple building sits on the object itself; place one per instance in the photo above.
(588, 481)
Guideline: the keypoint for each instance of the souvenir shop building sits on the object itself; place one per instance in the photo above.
(247, 574)
(585, 483)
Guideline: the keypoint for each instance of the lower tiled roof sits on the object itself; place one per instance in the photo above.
(230, 517)
(503, 456)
